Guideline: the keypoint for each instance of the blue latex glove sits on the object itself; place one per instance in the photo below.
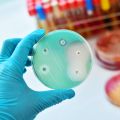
(17, 100)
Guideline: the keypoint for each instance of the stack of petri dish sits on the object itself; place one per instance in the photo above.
(107, 50)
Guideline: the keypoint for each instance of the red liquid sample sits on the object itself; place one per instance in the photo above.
(118, 2)
(98, 26)
(31, 7)
(82, 22)
(106, 9)
(64, 8)
(60, 21)
(50, 18)
(113, 12)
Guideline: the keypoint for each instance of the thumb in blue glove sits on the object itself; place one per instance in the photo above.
(17, 100)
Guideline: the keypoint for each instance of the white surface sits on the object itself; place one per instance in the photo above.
(90, 102)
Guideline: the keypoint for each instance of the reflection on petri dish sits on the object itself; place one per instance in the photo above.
(67, 63)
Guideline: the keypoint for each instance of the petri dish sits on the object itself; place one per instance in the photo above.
(62, 59)
(108, 50)
(112, 89)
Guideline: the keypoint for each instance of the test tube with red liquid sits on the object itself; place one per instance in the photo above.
(97, 16)
(82, 22)
(106, 6)
(49, 14)
(64, 7)
(42, 23)
(60, 21)
(112, 14)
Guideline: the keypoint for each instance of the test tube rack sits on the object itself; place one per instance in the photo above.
(87, 17)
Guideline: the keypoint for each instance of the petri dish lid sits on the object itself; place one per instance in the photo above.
(62, 59)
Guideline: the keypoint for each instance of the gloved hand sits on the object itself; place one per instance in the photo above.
(17, 100)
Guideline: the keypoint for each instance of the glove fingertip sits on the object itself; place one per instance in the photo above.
(70, 93)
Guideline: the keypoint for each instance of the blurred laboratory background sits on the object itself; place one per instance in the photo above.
(98, 98)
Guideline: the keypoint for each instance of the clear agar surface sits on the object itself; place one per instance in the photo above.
(62, 59)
